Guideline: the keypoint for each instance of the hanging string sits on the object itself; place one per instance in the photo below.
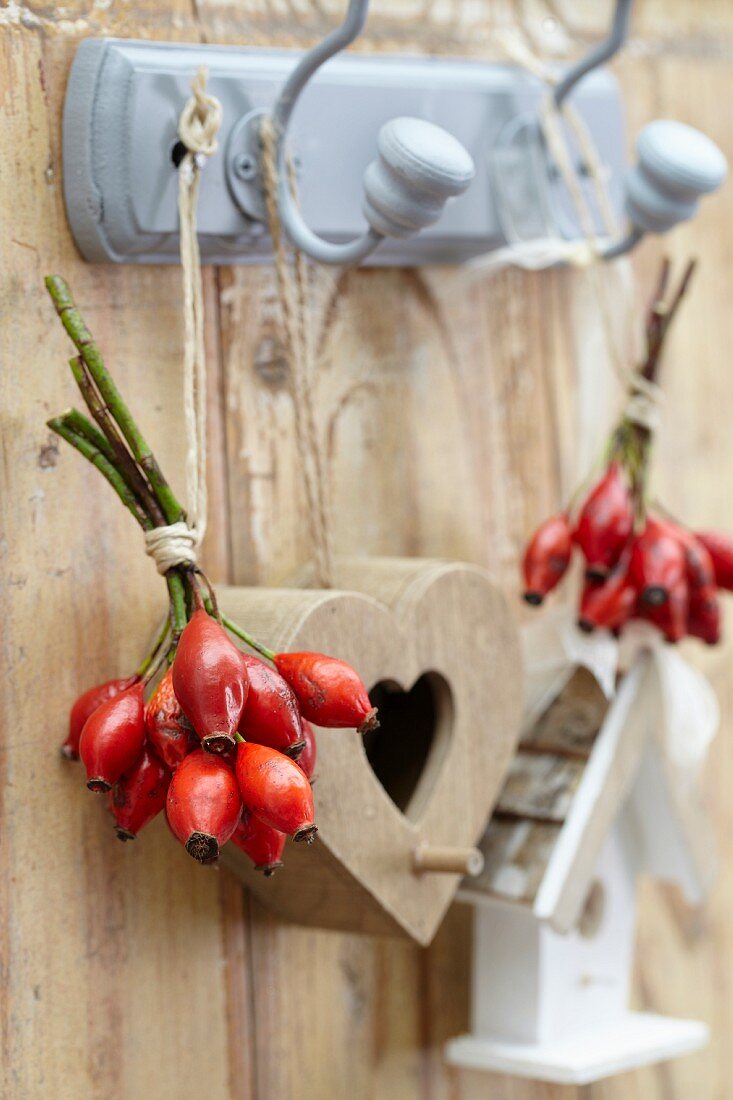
(552, 123)
(177, 543)
(292, 282)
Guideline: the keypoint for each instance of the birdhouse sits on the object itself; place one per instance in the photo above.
(400, 811)
(590, 803)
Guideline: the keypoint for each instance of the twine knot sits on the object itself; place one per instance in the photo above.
(644, 404)
(200, 120)
(172, 546)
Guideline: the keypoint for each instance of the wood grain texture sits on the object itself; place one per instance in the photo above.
(449, 410)
(394, 620)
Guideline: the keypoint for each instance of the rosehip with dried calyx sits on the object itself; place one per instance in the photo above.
(657, 564)
(140, 795)
(204, 805)
(263, 844)
(275, 789)
(605, 523)
(169, 731)
(720, 548)
(704, 616)
(112, 738)
(210, 681)
(328, 690)
(85, 706)
(671, 616)
(607, 604)
(307, 759)
(271, 716)
(547, 558)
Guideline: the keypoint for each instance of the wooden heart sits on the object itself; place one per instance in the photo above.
(394, 621)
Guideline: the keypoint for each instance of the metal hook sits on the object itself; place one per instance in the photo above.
(601, 53)
(420, 165)
(677, 164)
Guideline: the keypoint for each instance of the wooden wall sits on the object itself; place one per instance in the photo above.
(128, 972)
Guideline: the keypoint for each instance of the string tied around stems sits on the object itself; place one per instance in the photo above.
(644, 404)
(171, 546)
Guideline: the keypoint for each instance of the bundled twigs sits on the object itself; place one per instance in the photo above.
(224, 741)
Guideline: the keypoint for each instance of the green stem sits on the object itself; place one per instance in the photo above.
(93, 454)
(177, 593)
(87, 348)
(123, 459)
(157, 663)
(238, 738)
(248, 639)
(79, 424)
(147, 661)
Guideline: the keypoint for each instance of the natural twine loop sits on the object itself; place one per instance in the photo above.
(552, 119)
(177, 543)
(644, 404)
(292, 283)
(198, 126)
(172, 546)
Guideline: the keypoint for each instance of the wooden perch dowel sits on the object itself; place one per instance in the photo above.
(454, 861)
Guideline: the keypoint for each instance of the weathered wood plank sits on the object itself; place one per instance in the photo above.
(570, 725)
(540, 786)
(108, 952)
(452, 431)
(516, 853)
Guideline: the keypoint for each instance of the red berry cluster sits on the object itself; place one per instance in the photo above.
(664, 573)
(224, 742)
(639, 563)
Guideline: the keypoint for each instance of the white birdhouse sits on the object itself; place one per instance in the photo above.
(591, 802)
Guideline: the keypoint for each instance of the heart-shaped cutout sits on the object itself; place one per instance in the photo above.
(407, 749)
(394, 621)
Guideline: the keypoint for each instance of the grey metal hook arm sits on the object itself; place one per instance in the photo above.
(420, 166)
(295, 226)
(601, 53)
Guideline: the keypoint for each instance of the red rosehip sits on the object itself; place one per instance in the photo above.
(271, 716)
(203, 805)
(608, 604)
(169, 731)
(657, 564)
(275, 789)
(605, 523)
(112, 738)
(329, 692)
(210, 681)
(720, 548)
(85, 705)
(307, 759)
(671, 616)
(705, 613)
(547, 557)
(139, 796)
(263, 844)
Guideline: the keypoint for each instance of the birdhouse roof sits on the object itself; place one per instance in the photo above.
(578, 765)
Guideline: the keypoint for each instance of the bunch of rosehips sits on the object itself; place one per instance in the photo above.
(639, 563)
(224, 742)
(658, 570)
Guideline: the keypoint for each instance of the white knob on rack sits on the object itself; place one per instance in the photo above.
(677, 166)
(420, 167)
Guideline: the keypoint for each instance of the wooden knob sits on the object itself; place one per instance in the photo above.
(452, 861)
(677, 165)
(420, 166)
